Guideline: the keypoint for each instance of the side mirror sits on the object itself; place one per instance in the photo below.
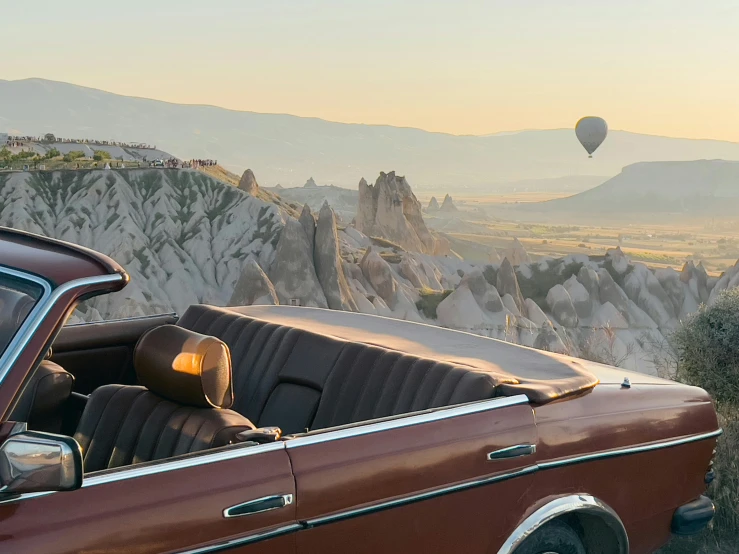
(40, 462)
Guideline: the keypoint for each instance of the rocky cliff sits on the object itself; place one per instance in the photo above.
(183, 236)
(389, 209)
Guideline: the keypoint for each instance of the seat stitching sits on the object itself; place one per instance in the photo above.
(365, 386)
(329, 374)
(267, 368)
(341, 390)
(419, 387)
(161, 432)
(195, 435)
(385, 385)
(438, 386)
(141, 430)
(179, 431)
(458, 375)
(462, 375)
(261, 351)
(121, 426)
(102, 414)
(267, 365)
(241, 359)
(402, 386)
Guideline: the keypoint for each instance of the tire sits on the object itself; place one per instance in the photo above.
(553, 538)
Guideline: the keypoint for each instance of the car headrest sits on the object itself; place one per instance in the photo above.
(185, 367)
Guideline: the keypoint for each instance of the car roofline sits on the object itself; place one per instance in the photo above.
(107, 264)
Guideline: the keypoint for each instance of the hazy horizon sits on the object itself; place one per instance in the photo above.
(481, 135)
(470, 68)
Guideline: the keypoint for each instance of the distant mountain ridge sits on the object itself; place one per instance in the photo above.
(697, 187)
(288, 149)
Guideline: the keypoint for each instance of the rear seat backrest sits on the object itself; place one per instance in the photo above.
(278, 371)
(370, 382)
(296, 379)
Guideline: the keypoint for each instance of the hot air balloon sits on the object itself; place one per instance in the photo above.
(591, 132)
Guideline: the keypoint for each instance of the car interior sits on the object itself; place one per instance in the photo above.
(138, 390)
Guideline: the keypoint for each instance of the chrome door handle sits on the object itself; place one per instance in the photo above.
(512, 452)
(259, 505)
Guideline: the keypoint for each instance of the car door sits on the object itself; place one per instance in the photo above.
(439, 481)
(179, 505)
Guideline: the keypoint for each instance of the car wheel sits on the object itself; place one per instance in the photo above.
(553, 538)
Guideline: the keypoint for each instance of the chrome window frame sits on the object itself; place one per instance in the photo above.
(40, 311)
(29, 325)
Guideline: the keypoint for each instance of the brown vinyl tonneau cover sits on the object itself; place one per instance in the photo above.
(542, 376)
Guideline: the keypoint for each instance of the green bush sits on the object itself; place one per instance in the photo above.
(430, 300)
(52, 153)
(101, 155)
(707, 345)
(73, 155)
(707, 348)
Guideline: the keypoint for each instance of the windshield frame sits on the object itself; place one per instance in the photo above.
(13, 350)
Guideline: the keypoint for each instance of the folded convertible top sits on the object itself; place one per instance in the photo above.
(542, 376)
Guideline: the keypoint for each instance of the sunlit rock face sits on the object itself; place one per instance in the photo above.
(389, 209)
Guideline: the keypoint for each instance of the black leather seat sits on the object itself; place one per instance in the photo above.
(298, 380)
(181, 407)
(41, 404)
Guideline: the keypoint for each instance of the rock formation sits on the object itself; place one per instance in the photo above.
(379, 275)
(560, 304)
(253, 287)
(186, 238)
(310, 183)
(547, 339)
(507, 283)
(248, 183)
(433, 205)
(309, 223)
(389, 209)
(328, 263)
(183, 236)
(516, 253)
(293, 273)
(448, 205)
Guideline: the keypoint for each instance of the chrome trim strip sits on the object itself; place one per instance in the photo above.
(121, 319)
(234, 543)
(560, 506)
(205, 459)
(629, 450)
(8, 358)
(418, 497)
(40, 311)
(286, 499)
(194, 461)
(516, 451)
(408, 421)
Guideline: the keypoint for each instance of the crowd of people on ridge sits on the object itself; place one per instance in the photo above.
(21, 141)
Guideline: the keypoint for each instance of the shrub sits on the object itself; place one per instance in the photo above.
(707, 345)
(101, 155)
(707, 355)
(73, 155)
(430, 300)
(52, 153)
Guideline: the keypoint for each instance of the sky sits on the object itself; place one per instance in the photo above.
(666, 67)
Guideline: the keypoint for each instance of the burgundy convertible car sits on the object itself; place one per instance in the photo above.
(271, 429)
